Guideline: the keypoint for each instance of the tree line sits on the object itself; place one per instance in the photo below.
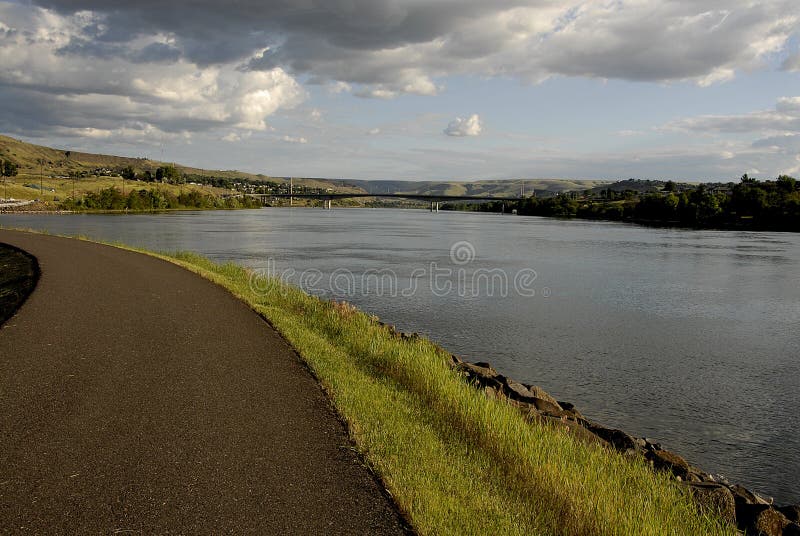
(748, 204)
(154, 199)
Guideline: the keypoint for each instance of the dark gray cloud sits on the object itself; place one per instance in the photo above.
(151, 53)
(353, 40)
(156, 53)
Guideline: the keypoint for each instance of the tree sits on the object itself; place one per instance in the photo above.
(128, 173)
(670, 186)
(10, 169)
(786, 183)
(169, 174)
(7, 169)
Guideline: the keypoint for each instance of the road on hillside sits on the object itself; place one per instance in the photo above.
(137, 397)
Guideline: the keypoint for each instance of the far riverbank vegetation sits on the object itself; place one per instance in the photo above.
(748, 204)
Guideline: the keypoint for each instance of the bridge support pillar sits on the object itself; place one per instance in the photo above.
(434, 206)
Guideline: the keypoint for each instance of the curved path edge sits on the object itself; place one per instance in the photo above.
(137, 396)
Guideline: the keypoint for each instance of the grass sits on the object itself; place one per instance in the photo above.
(456, 461)
(15, 187)
(28, 156)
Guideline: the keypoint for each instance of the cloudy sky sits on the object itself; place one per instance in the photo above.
(412, 89)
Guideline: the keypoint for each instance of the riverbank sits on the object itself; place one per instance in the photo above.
(455, 460)
(738, 506)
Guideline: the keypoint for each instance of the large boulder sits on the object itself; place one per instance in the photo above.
(669, 461)
(570, 409)
(541, 394)
(619, 439)
(745, 496)
(481, 374)
(760, 520)
(522, 394)
(516, 390)
(547, 407)
(715, 499)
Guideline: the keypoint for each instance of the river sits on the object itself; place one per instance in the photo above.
(689, 338)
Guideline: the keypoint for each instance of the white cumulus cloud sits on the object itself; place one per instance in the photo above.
(96, 89)
(385, 48)
(459, 127)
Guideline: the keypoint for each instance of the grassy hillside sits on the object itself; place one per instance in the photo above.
(37, 159)
(56, 165)
(44, 174)
(489, 188)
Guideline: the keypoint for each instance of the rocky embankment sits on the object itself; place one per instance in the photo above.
(748, 511)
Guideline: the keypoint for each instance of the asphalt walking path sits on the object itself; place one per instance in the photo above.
(137, 397)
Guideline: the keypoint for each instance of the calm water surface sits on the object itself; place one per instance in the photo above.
(689, 338)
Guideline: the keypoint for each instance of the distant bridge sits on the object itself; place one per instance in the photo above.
(433, 199)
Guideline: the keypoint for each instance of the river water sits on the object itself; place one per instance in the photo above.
(689, 338)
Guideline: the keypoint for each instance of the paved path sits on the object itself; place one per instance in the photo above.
(136, 397)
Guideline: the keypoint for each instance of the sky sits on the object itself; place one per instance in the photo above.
(413, 89)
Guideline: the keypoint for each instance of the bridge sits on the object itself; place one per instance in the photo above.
(433, 199)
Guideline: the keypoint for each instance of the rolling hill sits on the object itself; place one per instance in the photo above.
(488, 188)
(35, 160)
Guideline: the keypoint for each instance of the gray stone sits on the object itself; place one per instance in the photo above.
(569, 408)
(483, 376)
(517, 390)
(714, 498)
(478, 369)
(745, 496)
(669, 461)
(541, 394)
(760, 519)
(545, 406)
(619, 439)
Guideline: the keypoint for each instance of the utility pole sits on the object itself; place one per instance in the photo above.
(71, 174)
(41, 177)
(291, 191)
